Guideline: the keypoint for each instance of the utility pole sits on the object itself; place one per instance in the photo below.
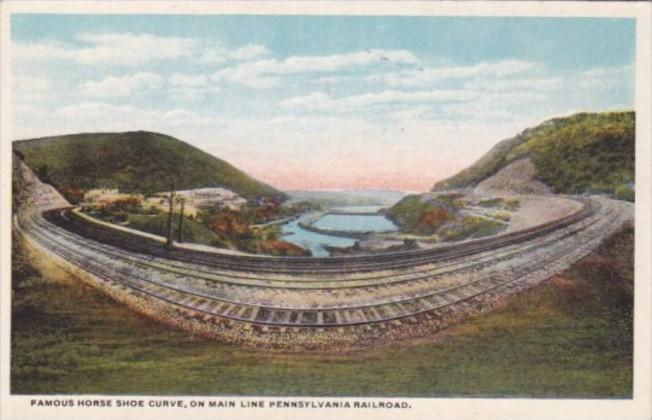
(180, 233)
(171, 201)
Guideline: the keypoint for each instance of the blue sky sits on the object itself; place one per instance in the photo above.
(318, 101)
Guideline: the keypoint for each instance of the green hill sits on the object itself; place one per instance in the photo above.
(585, 152)
(139, 162)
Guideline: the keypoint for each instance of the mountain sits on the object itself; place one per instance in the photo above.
(329, 198)
(137, 161)
(585, 152)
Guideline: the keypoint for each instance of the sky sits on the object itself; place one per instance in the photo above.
(318, 102)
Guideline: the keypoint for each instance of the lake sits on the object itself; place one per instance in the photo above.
(317, 242)
(312, 241)
(357, 223)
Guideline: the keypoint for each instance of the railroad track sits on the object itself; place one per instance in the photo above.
(574, 236)
(313, 282)
(310, 265)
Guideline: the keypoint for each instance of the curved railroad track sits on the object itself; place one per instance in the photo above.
(316, 303)
(259, 263)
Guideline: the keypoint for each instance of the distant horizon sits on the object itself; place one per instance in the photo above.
(318, 102)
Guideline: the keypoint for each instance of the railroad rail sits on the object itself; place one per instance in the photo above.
(315, 303)
(390, 260)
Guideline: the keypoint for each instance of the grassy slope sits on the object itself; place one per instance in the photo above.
(134, 162)
(192, 231)
(569, 337)
(420, 216)
(583, 152)
(407, 212)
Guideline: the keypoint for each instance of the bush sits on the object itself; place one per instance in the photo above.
(625, 192)
(120, 216)
(490, 203)
(431, 220)
(512, 204)
(473, 227)
(503, 215)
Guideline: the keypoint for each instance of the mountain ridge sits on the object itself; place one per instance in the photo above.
(133, 161)
(581, 153)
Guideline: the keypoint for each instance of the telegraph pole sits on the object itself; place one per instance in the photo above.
(180, 233)
(171, 201)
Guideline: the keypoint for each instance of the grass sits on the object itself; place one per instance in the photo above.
(472, 227)
(138, 161)
(491, 203)
(418, 215)
(588, 152)
(424, 216)
(407, 212)
(192, 231)
(505, 216)
(569, 337)
(585, 152)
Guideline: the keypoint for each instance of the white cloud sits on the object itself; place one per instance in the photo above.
(99, 113)
(116, 86)
(30, 83)
(221, 55)
(601, 77)
(426, 76)
(322, 101)
(198, 80)
(263, 73)
(116, 49)
(27, 89)
(191, 87)
(496, 106)
(131, 50)
(514, 85)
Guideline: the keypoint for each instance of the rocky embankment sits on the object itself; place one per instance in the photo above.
(30, 194)
(518, 177)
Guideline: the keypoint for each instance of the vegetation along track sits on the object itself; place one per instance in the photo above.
(316, 303)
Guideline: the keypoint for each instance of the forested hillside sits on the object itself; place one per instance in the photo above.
(139, 162)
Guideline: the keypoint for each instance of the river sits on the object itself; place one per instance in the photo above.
(349, 222)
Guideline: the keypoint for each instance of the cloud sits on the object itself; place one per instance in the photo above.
(602, 77)
(264, 73)
(426, 76)
(116, 49)
(191, 87)
(512, 85)
(130, 50)
(95, 116)
(221, 55)
(105, 117)
(27, 89)
(199, 80)
(495, 106)
(113, 86)
(322, 101)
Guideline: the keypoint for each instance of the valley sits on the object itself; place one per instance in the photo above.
(320, 273)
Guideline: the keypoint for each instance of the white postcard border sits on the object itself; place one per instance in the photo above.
(17, 407)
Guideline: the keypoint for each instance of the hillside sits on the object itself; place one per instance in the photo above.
(585, 152)
(139, 162)
(447, 217)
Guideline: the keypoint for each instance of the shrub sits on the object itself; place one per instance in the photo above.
(502, 215)
(625, 192)
(512, 204)
(490, 203)
(431, 220)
